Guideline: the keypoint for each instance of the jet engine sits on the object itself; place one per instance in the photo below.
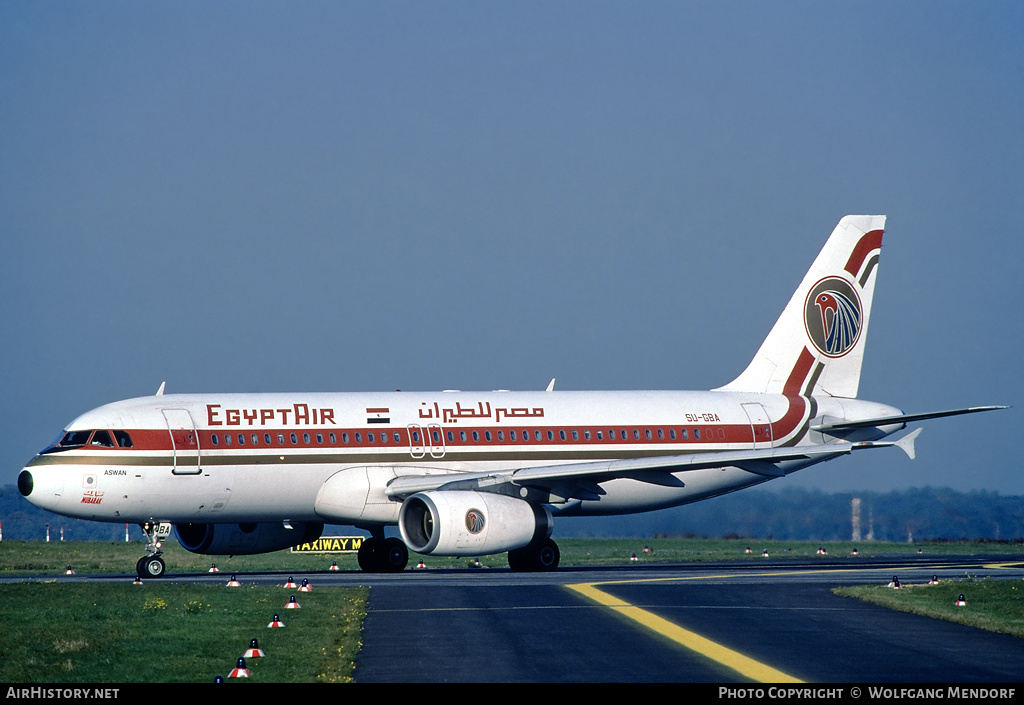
(470, 523)
(245, 539)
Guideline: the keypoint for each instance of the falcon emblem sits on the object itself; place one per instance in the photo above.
(832, 316)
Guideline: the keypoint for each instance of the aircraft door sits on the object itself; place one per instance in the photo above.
(184, 442)
(760, 425)
(416, 441)
(424, 440)
(436, 440)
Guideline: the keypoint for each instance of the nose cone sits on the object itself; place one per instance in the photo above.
(25, 483)
(42, 487)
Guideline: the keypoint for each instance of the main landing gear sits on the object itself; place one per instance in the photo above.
(378, 554)
(152, 565)
(542, 557)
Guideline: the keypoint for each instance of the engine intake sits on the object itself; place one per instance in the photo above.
(470, 523)
(244, 539)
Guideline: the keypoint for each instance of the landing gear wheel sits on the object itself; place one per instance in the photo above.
(383, 556)
(548, 556)
(150, 567)
(394, 557)
(542, 557)
(367, 555)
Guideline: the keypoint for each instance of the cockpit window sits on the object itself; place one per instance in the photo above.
(74, 438)
(102, 438)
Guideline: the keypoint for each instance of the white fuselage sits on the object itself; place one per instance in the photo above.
(219, 458)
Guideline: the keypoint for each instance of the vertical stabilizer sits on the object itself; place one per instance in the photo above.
(817, 345)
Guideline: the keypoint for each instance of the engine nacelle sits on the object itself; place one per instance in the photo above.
(470, 523)
(245, 539)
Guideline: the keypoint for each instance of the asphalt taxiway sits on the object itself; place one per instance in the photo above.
(725, 623)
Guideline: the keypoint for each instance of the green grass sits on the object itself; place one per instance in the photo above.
(169, 633)
(38, 557)
(995, 605)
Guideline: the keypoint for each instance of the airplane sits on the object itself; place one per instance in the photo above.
(478, 473)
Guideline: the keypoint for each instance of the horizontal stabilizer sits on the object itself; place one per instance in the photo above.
(905, 418)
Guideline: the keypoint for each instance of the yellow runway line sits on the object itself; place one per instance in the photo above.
(744, 665)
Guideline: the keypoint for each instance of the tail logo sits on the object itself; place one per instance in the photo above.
(833, 316)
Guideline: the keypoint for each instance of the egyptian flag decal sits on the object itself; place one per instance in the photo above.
(378, 414)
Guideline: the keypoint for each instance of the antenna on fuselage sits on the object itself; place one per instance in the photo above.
(160, 392)
(551, 385)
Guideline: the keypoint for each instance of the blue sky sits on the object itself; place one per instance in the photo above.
(351, 196)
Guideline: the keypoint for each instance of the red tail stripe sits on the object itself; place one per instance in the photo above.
(869, 243)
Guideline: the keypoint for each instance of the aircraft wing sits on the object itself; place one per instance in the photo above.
(657, 470)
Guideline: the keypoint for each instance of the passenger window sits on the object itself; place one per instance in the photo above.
(512, 435)
(214, 439)
(280, 439)
(359, 438)
(255, 439)
(561, 434)
(334, 439)
(266, 438)
(305, 438)
(398, 439)
(369, 438)
(227, 439)
(295, 439)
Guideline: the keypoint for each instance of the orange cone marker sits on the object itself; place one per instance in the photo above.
(961, 602)
(239, 671)
(306, 587)
(275, 623)
(334, 565)
(290, 583)
(292, 604)
(254, 651)
(234, 582)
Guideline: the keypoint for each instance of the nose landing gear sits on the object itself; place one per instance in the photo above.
(152, 565)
